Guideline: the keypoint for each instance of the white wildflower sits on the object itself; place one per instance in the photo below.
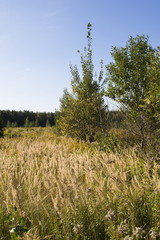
(122, 228)
(153, 234)
(138, 231)
(77, 228)
(110, 215)
(128, 238)
(12, 230)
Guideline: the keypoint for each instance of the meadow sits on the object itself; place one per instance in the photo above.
(53, 187)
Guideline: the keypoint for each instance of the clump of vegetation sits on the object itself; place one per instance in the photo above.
(1, 128)
(133, 81)
(83, 111)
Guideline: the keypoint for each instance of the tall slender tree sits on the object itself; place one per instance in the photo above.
(1, 128)
(48, 123)
(27, 122)
(8, 124)
(83, 110)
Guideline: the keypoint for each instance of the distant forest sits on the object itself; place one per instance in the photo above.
(43, 119)
(26, 119)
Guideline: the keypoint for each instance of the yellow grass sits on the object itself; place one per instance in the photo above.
(43, 172)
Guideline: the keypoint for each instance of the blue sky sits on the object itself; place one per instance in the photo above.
(40, 38)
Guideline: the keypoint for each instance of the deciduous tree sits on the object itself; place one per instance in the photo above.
(134, 81)
(83, 110)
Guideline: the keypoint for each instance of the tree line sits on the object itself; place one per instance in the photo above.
(11, 119)
(26, 119)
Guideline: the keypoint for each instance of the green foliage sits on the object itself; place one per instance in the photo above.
(20, 116)
(13, 125)
(36, 123)
(48, 123)
(4, 226)
(83, 111)
(12, 225)
(108, 143)
(133, 81)
(87, 222)
(1, 128)
(8, 124)
(27, 123)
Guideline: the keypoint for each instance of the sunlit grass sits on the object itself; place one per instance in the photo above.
(52, 187)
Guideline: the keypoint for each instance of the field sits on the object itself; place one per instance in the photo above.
(52, 187)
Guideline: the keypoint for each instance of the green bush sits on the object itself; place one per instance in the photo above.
(108, 143)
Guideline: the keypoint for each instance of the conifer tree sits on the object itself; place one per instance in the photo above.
(13, 125)
(1, 128)
(48, 123)
(8, 124)
(31, 124)
(36, 123)
(27, 123)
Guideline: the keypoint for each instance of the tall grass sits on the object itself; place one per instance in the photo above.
(57, 188)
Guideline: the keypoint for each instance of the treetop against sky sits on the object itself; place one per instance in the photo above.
(39, 40)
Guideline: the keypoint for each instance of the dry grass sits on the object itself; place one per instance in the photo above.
(62, 186)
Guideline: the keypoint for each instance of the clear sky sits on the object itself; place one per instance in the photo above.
(40, 38)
